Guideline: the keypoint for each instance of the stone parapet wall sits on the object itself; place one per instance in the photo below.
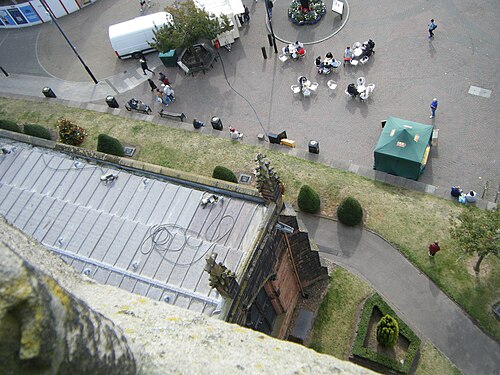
(169, 340)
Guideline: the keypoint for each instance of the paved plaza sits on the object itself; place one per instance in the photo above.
(253, 94)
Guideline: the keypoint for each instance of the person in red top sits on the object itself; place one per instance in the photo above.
(434, 248)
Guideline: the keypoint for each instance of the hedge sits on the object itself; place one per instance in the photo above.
(37, 131)
(308, 199)
(10, 125)
(361, 351)
(223, 173)
(109, 145)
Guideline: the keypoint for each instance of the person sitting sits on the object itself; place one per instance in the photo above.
(328, 59)
(234, 134)
(318, 62)
(351, 90)
(198, 124)
(471, 197)
(347, 55)
(456, 191)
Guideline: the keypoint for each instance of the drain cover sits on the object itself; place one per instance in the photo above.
(479, 91)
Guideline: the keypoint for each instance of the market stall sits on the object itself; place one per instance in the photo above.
(230, 8)
(403, 148)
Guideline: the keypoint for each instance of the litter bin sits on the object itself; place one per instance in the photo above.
(47, 91)
(282, 135)
(274, 138)
(217, 123)
(112, 103)
(314, 147)
(169, 59)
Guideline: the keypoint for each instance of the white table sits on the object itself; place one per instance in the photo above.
(361, 88)
(357, 52)
(338, 7)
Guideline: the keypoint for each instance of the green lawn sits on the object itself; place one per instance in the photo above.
(335, 324)
(408, 219)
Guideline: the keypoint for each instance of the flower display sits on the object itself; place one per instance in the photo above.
(306, 16)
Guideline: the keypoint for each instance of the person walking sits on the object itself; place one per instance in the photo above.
(269, 6)
(246, 15)
(434, 106)
(152, 84)
(163, 78)
(432, 26)
(433, 248)
(347, 55)
(144, 65)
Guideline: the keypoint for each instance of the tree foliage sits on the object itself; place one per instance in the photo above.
(189, 25)
(387, 331)
(476, 230)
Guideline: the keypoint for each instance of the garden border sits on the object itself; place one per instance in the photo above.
(361, 353)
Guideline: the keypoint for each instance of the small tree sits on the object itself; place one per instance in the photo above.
(308, 199)
(349, 212)
(477, 231)
(109, 145)
(190, 24)
(70, 133)
(387, 331)
(223, 173)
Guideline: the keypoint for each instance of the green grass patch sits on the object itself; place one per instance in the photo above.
(336, 318)
(408, 219)
(432, 361)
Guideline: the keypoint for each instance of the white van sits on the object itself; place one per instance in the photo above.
(130, 38)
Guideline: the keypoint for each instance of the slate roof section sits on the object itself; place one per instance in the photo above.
(145, 235)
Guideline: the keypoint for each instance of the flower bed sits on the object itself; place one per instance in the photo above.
(306, 16)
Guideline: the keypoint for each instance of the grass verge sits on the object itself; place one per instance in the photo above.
(408, 219)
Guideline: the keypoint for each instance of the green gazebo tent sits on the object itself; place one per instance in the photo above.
(403, 148)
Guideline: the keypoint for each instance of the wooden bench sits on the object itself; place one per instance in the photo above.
(164, 114)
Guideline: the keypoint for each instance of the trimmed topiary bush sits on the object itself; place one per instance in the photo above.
(387, 331)
(223, 173)
(349, 212)
(308, 200)
(109, 145)
(10, 125)
(70, 133)
(37, 131)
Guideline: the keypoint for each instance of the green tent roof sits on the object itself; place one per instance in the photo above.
(401, 147)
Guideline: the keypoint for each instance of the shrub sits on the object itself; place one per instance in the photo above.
(308, 200)
(109, 145)
(37, 131)
(223, 173)
(70, 133)
(387, 331)
(349, 212)
(10, 125)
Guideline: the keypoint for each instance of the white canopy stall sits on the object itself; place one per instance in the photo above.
(230, 8)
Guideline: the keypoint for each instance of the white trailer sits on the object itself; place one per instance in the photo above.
(130, 38)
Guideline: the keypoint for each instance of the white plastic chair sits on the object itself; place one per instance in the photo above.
(370, 87)
(313, 86)
(364, 59)
(332, 85)
(295, 89)
(283, 57)
(354, 62)
(361, 81)
(364, 95)
(347, 93)
(356, 45)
